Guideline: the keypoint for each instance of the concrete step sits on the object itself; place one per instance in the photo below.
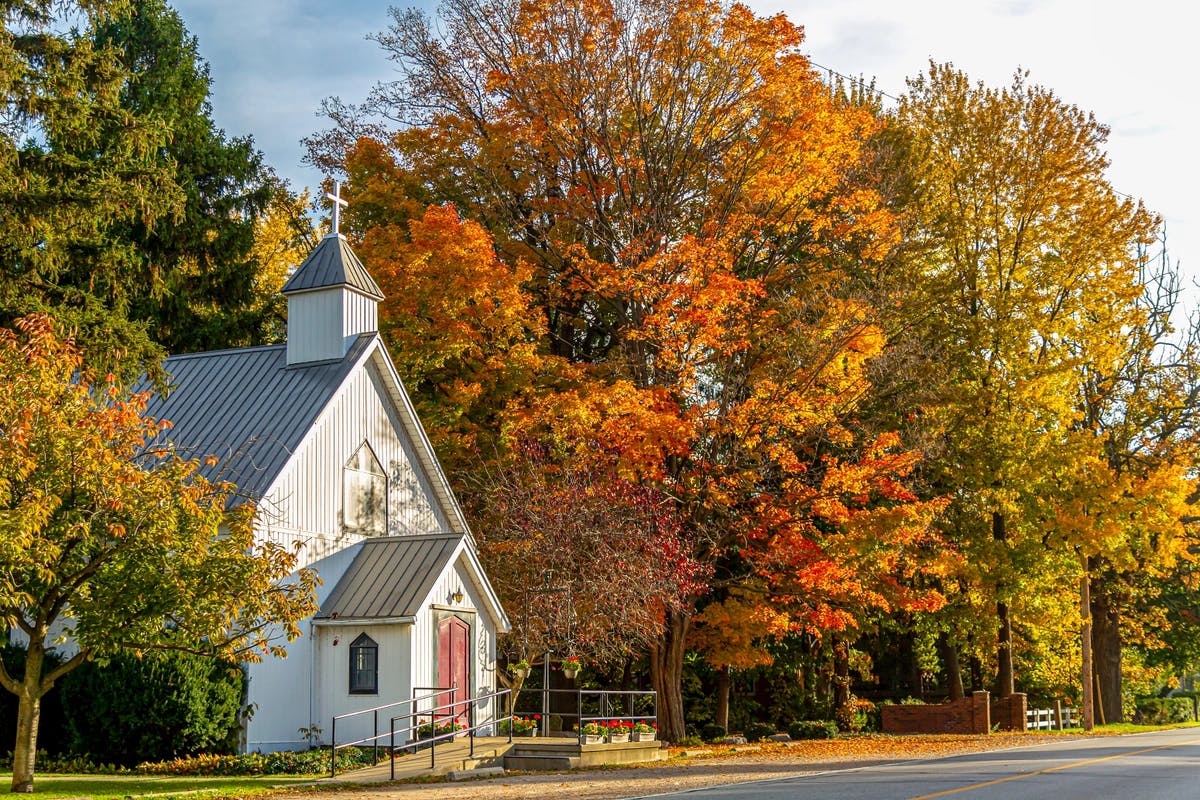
(541, 763)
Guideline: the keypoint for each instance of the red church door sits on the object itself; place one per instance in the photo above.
(454, 664)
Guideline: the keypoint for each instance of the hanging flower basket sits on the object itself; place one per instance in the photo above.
(521, 669)
(570, 667)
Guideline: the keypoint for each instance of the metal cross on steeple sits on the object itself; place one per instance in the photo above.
(338, 205)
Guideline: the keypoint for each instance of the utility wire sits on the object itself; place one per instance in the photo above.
(862, 82)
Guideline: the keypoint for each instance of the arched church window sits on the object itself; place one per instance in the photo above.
(364, 501)
(364, 665)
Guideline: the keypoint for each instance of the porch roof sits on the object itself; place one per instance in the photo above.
(391, 577)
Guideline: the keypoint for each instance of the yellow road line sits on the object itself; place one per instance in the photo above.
(948, 792)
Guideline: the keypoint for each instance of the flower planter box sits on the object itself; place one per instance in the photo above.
(532, 732)
(645, 737)
(618, 738)
(589, 738)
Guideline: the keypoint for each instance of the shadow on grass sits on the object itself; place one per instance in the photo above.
(121, 786)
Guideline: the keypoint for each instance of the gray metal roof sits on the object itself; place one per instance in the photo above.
(390, 577)
(248, 408)
(332, 263)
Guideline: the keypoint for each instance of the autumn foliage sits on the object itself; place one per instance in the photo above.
(624, 231)
(121, 544)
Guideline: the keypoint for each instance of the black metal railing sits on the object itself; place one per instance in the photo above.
(451, 710)
(374, 739)
(593, 705)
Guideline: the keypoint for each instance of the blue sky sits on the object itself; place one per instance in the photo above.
(1133, 64)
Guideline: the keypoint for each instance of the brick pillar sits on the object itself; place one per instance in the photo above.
(981, 712)
(1009, 712)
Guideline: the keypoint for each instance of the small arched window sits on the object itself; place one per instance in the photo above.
(364, 665)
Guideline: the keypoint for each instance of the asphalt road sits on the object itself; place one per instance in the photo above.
(1164, 765)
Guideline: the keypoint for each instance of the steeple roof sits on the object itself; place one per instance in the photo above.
(332, 263)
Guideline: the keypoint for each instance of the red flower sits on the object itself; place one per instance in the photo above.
(537, 716)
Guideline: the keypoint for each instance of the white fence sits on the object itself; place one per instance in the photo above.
(1050, 719)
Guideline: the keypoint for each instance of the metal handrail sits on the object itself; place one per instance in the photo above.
(333, 745)
(471, 728)
(604, 696)
(606, 715)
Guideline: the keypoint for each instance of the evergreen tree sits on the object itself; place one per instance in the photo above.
(124, 211)
(198, 269)
(76, 162)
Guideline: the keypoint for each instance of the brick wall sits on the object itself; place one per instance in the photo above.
(1008, 713)
(969, 715)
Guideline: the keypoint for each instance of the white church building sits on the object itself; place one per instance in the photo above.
(320, 434)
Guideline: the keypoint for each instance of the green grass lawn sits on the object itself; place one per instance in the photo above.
(1122, 727)
(1129, 727)
(121, 786)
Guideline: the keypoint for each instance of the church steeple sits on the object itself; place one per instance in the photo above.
(331, 299)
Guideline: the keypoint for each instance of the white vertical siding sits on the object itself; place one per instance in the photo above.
(304, 507)
(315, 326)
(333, 679)
(472, 610)
(360, 314)
(305, 503)
(282, 690)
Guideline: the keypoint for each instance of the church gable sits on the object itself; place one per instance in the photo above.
(357, 474)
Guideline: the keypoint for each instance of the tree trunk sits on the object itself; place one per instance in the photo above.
(723, 697)
(843, 712)
(29, 707)
(1106, 652)
(1005, 681)
(1085, 639)
(916, 675)
(953, 671)
(666, 675)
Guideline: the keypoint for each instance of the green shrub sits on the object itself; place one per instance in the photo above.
(1163, 710)
(813, 729)
(757, 731)
(160, 706)
(1193, 697)
(75, 765)
(712, 732)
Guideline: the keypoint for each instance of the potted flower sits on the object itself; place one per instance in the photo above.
(429, 729)
(522, 726)
(593, 732)
(521, 669)
(645, 731)
(570, 667)
(618, 731)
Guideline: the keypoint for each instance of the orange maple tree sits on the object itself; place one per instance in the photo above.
(686, 195)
